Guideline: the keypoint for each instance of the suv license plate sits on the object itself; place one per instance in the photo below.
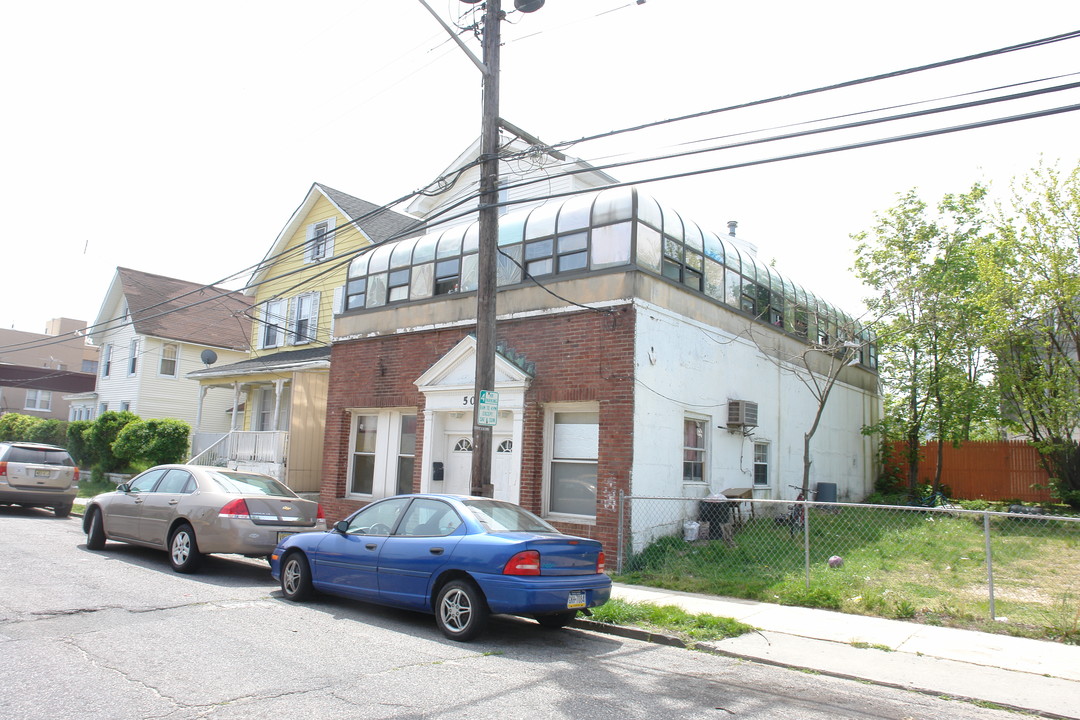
(282, 535)
(576, 599)
(42, 473)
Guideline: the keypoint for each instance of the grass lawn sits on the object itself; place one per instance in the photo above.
(908, 565)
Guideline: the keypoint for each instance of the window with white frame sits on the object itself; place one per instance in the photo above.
(274, 321)
(320, 241)
(383, 452)
(573, 451)
(133, 356)
(106, 360)
(761, 464)
(170, 353)
(38, 400)
(305, 319)
(694, 449)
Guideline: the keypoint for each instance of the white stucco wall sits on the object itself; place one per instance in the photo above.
(685, 368)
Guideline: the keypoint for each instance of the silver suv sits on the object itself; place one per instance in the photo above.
(38, 475)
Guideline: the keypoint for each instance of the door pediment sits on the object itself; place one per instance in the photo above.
(456, 370)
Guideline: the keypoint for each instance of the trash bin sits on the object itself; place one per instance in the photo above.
(716, 512)
(825, 492)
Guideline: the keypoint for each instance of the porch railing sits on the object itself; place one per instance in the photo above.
(244, 446)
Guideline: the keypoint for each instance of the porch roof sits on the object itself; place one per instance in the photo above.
(288, 360)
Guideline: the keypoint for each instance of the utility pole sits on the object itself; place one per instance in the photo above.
(489, 234)
(486, 415)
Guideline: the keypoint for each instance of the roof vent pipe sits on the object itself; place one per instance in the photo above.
(731, 225)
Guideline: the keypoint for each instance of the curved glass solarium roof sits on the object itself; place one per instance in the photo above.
(593, 232)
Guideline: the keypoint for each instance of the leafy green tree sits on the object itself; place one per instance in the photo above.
(1030, 275)
(15, 426)
(156, 442)
(103, 433)
(49, 430)
(78, 442)
(923, 268)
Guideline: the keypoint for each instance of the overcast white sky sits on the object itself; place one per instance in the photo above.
(178, 138)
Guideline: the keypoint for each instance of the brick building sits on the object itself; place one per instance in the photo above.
(639, 354)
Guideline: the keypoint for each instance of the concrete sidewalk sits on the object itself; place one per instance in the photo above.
(1028, 675)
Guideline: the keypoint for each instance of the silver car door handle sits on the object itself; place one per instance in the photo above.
(173, 501)
(138, 500)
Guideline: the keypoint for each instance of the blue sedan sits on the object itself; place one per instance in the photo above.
(461, 558)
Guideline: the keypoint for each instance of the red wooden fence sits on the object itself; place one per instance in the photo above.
(983, 470)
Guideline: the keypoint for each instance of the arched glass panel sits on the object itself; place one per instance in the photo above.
(472, 239)
(575, 212)
(713, 247)
(380, 259)
(648, 211)
(673, 225)
(425, 248)
(693, 236)
(733, 258)
(541, 221)
(358, 267)
(450, 242)
(402, 254)
(512, 227)
(613, 205)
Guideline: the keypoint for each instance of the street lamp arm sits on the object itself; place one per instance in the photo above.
(454, 36)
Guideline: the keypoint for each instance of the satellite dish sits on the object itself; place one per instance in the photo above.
(209, 357)
(528, 6)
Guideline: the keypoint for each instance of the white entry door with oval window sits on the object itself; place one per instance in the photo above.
(458, 468)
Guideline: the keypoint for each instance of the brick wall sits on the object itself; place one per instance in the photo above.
(579, 357)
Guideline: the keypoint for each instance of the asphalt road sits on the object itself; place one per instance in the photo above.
(117, 634)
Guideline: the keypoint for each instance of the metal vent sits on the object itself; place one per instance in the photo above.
(742, 413)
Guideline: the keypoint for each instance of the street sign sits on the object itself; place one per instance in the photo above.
(488, 413)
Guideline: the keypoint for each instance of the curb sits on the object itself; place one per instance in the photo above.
(709, 647)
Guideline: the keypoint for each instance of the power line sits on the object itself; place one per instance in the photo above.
(836, 86)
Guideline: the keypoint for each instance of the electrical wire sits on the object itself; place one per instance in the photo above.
(458, 172)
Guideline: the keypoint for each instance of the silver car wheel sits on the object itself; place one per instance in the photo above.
(456, 610)
(296, 582)
(292, 577)
(184, 553)
(181, 548)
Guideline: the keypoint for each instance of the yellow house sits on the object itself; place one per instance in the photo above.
(278, 407)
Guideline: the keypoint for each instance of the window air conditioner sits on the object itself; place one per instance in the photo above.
(741, 413)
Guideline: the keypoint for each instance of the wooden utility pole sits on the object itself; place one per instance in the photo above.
(489, 234)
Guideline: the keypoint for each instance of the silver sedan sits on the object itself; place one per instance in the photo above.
(192, 510)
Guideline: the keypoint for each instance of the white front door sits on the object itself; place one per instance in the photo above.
(457, 472)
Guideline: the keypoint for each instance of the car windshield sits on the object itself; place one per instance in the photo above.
(243, 484)
(497, 516)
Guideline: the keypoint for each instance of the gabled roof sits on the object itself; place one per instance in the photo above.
(174, 309)
(366, 217)
(462, 175)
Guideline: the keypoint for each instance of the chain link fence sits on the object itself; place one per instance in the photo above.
(939, 565)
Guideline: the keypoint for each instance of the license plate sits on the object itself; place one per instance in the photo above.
(42, 473)
(283, 534)
(576, 599)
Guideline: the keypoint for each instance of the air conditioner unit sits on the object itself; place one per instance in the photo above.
(741, 413)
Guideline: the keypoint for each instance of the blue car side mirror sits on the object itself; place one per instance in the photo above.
(341, 526)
